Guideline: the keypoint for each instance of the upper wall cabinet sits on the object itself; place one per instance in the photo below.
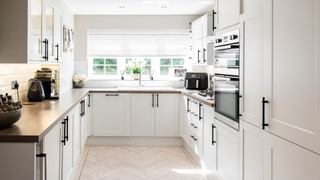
(227, 13)
(202, 27)
(292, 111)
(30, 32)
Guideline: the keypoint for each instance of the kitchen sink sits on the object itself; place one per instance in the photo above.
(143, 88)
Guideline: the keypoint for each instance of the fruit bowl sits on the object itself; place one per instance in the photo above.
(7, 117)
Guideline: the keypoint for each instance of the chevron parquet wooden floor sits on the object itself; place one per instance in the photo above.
(136, 163)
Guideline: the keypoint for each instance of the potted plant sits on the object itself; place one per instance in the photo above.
(135, 67)
(79, 80)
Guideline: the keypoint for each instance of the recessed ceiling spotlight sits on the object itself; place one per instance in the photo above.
(163, 2)
(163, 6)
(121, 7)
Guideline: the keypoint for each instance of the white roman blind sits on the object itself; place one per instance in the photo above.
(138, 43)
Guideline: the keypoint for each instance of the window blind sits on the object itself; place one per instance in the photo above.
(138, 43)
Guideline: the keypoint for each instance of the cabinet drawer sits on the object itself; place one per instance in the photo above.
(195, 143)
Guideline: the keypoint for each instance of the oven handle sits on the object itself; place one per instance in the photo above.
(226, 78)
(232, 46)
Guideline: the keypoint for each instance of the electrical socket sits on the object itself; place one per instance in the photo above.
(13, 83)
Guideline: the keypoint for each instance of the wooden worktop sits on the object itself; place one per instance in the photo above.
(37, 120)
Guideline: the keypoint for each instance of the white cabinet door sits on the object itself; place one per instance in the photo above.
(251, 71)
(185, 119)
(58, 35)
(76, 133)
(89, 115)
(197, 52)
(209, 147)
(293, 109)
(228, 12)
(52, 146)
(227, 142)
(207, 28)
(197, 29)
(142, 106)
(111, 114)
(251, 148)
(67, 148)
(167, 115)
(284, 160)
(83, 125)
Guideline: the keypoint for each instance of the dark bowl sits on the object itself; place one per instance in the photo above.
(10, 117)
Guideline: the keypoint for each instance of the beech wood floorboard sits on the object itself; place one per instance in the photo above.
(136, 163)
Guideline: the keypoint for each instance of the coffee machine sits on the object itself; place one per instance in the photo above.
(48, 78)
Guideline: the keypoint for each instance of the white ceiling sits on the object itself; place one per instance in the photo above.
(139, 7)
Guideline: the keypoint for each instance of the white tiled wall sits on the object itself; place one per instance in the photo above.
(66, 74)
(21, 73)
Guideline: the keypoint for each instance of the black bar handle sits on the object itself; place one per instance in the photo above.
(204, 55)
(200, 115)
(45, 49)
(57, 46)
(88, 100)
(194, 126)
(195, 139)
(213, 141)
(67, 122)
(64, 132)
(44, 155)
(81, 108)
(152, 100)
(84, 107)
(188, 106)
(112, 95)
(213, 27)
(198, 56)
(157, 100)
(263, 112)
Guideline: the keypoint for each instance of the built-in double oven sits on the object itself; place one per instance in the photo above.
(226, 78)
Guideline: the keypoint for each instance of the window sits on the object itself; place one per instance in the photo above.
(109, 51)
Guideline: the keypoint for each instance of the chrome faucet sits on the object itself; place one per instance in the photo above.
(140, 85)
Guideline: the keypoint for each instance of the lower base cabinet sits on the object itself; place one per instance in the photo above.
(251, 148)
(227, 152)
(52, 146)
(284, 160)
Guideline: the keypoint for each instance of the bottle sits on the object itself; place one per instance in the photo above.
(6, 97)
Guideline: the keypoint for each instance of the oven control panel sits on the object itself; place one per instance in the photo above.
(227, 38)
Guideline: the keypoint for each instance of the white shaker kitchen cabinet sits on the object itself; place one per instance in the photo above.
(227, 152)
(111, 114)
(83, 120)
(143, 114)
(197, 51)
(209, 146)
(67, 147)
(284, 160)
(89, 115)
(251, 150)
(227, 13)
(197, 29)
(185, 119)
(23, 34)
(52, 147)
(58, 36)
(76, 133)
(167, 114)
(292, 107)
(207, 50)
(251, 66)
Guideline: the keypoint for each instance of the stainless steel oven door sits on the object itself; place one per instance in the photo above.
(227, 60)
(226, 97)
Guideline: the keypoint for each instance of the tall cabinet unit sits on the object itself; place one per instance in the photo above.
(32, 33)
(292, 110)
(227, 13)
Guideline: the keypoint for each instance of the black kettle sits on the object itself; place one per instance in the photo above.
(36, 92)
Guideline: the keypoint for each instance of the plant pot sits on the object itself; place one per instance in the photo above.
(135, 76)
(79, 84)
